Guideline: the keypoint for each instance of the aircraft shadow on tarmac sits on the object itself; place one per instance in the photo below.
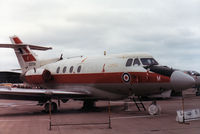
(25, 112)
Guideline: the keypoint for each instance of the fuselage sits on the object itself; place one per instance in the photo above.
(105, 77)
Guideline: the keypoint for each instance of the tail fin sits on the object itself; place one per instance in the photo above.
(26, 58)
(15, 40)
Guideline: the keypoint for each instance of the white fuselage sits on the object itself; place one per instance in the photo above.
(103, 76)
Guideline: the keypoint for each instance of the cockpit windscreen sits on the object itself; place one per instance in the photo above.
(149, 61)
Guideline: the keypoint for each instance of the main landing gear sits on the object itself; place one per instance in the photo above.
(54, 107)
(88, 105)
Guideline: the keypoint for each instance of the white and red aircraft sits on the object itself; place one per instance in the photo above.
(107, 77)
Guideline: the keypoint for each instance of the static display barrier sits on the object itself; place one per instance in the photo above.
(189, 115)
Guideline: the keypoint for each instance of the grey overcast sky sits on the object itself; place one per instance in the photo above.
(167, 29)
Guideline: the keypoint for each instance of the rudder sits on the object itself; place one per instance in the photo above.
(26, 58)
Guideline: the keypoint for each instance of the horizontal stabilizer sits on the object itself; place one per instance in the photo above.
(33, 47)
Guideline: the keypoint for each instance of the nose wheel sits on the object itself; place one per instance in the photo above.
(154, 109)
(54, 107)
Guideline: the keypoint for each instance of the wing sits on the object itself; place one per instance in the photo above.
(39, 94)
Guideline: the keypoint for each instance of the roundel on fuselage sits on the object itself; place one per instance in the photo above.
(126, 77)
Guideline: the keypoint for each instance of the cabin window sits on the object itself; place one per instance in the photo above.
(58, 70)
(129, 62)
(149, 61)
(71, 69)
(79, 69)
(64, 69)
(136, 62)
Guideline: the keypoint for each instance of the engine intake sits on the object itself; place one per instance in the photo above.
(38, 76)
(162, 70)
(46, 75)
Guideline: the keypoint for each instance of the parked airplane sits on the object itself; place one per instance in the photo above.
(196, 77)
(108, 77)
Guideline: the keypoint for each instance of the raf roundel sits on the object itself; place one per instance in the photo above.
(126, 77)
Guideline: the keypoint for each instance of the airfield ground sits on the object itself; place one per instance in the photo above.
(24, 117)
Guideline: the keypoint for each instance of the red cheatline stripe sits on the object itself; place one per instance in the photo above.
(17, 40)
(136, 77)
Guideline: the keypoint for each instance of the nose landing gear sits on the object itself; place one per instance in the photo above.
(154, 109)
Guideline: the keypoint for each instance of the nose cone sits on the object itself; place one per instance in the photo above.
(181, 81)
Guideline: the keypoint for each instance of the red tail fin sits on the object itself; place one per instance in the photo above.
(27, 59)
(16, 40)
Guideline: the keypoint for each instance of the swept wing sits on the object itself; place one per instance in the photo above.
(39, 94)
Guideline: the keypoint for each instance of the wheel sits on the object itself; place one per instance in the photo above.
(198, 93)
(46, 107)
(54, 107)
(88, 105)
(154, 109)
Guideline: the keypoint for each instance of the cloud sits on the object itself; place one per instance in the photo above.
(169, 30)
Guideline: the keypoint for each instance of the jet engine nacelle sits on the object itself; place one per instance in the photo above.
(38, 76)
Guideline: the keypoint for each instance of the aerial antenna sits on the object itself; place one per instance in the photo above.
(104, 53)
(61, 57)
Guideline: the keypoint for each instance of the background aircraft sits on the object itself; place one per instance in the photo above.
(108, 77)
(196, 77)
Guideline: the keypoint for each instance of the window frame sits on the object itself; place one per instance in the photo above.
(58, 70)
(64, 69)
(136, 63)
(151, 59)
(71, 69)
(128, 64)
(79, 69)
